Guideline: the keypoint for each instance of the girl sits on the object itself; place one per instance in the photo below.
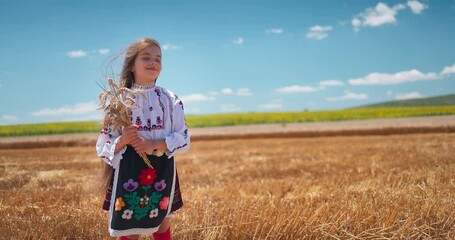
(143, 199)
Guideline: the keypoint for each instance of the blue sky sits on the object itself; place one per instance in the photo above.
(226, 56)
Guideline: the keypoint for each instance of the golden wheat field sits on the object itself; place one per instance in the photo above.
(342, 187)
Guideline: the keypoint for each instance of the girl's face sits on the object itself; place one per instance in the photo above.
(147, 65)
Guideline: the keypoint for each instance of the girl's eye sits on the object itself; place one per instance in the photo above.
(146, 59)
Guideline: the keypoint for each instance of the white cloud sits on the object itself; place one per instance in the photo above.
(274, 104)
(396, 78)
(318, 32)
(448, 70)
(8, 117)
(296, 89)
(411, 95)
(227, 91)
(76, 54)
(243, 92)
(238, 41)
(230, 108)
(349, 96)
(274, 31)
(380, 15)
(197, 97)
(330, 83)
(416, 6)
(170, 47)
(78, 109)
(230, 91)
(389, 93)
(356, 23)
(104, 51)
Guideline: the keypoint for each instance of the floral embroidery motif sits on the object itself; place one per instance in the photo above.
(138, 207)
(127, 214)
(147, 176)
(160, 186)
(154, 213)
(164, 203)
(147, 125)
(119, 204)
(144, 201)
(131, 185)
(138, 121)
(104, 131)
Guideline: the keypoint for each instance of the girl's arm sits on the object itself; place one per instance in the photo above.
(111, 143)
(178, 141)
(148, 145)
(109, 146)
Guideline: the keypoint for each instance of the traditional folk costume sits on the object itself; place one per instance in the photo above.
(141, 197)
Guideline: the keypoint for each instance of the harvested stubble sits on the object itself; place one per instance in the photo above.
(358, 187)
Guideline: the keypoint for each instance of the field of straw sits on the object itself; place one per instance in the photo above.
(339, 187)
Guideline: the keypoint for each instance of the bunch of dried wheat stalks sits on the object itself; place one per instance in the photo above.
(117, 102)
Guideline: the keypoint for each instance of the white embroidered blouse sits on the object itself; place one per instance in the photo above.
(160, 115)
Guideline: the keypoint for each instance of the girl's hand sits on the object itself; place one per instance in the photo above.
(129, 134)
(142, 145)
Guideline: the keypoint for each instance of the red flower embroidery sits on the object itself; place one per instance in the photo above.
(164, 203)
(147, 177)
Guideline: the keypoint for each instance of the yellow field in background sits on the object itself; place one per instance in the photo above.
(242, 119)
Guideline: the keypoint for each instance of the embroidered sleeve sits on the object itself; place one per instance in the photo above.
(105, 146)
(178, 141)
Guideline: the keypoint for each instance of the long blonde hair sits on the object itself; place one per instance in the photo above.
(126, 80)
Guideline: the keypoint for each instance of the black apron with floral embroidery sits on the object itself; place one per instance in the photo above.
(142, 196)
